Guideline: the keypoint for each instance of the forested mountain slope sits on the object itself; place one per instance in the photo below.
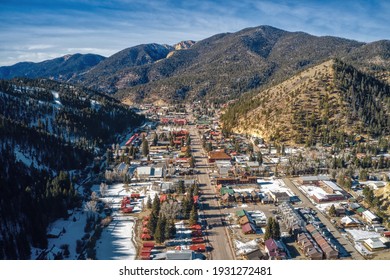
(46, 130)
(326, 103)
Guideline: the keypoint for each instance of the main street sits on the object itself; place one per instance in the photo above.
(217, 234)
(306, 202)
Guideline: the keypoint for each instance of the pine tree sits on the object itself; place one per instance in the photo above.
(192, 162)
(156, 205)
(332, 211)
(159, 233)
(276, 230)
(268, 229)
(193, 216)
(145, 147)
(181, 187)
(260, 158)
(152, 224)
(149, 202)
(155, 139)
(172, 229)
(167, 230)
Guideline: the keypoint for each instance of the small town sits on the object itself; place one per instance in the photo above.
(181, 188)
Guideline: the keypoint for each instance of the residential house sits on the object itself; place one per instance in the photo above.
(370, 217)
(275, 249)
(374, 244)
(256, 254)
(248, 228)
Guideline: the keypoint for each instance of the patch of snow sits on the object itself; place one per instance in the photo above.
(57, 100)
(25, 158)
(95, 104)
(74, 230)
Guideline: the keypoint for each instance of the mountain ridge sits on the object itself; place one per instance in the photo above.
(60, 68)
(325, 103)
(224, 66)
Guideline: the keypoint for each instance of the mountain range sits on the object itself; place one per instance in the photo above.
(219, 68)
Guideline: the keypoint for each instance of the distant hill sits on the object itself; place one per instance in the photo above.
(325, 103)
(112, 73)
(62, 68)
(226, 65)
(373, 58)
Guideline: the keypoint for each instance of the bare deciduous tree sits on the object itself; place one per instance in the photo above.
(170, 209)
(103, 189)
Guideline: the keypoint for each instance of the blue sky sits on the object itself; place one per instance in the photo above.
(33, 30)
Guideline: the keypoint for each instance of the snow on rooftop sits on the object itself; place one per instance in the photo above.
(359, 235)
(312, 190)
(323, 206)
(244, 247)
(274, 186)
(333, 186)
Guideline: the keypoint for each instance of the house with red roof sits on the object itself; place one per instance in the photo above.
(275, 249)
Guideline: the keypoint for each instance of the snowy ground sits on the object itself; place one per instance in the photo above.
(74, 230)
(117, 241)
(26, 159)
(183, 236)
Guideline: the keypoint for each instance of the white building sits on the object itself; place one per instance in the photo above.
(370, 217)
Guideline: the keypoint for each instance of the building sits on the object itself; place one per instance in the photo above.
(147, 172)
(349, 221)
(329, 252)
(253, 255)
(370, 217)
(180, 255)
(330, 186)
(321, 197)
(248, 228)
(241, 213)
(279, 197)
(374, 244)
(312, 180)
(275, 249)
(309, 247)
(291, 218)
(214, 156)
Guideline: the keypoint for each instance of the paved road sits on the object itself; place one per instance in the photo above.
(306, 202)
(217, 235)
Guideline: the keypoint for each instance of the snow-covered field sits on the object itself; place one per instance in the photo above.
(116, 241)
(74, 230)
